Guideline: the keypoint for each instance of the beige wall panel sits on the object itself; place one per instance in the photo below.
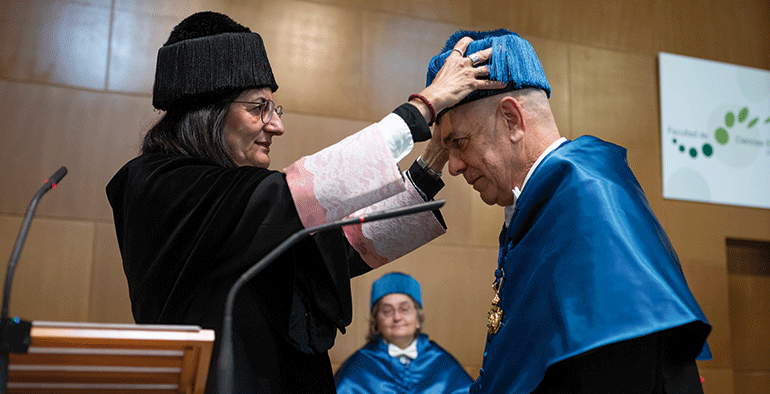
(717, 381)
(732, 32)
(708, 283)
(308, 134)
(315, 52)
(452, 11)
(59, 42)
(460, 212)
(750, 321)
(696, 229)
(52, 277)
(174, 9)
(554, 57)
(456, 295)
(473, 370)
(140, 28)
(134, 45)
(614, 96)
(747, 223)
(646, 166)
(109, 302)
(495, 14)
(341, 65)
(396, 52)
(91, 133)
(751, 382)
(626, 24)
(486, 221)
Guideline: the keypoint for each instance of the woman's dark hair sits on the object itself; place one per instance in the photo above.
(374, 330)
(193, 129)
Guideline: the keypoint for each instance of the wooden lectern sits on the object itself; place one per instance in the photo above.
(112, 359)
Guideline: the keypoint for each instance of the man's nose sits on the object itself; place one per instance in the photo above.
(456, 165)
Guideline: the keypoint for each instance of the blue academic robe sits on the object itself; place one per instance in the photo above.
(586, 264)
(372, 370)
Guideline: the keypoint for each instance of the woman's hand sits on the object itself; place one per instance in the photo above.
(458, 77)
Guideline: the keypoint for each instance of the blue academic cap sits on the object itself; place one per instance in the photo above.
(513, 61)
(396, 282)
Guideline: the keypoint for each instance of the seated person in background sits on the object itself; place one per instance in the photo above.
(398, 357)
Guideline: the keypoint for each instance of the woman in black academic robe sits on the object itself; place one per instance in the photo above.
(199, 206)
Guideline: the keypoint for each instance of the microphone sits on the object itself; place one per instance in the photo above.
(15, 333)
(225, 366)
(56, 177)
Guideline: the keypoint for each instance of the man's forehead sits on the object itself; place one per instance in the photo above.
(446, 128)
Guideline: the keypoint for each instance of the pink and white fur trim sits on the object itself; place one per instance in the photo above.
(383, 241)
(343, 178)
(355, 176)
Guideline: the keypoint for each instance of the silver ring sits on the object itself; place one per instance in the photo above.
(458, 51)
(474, 59)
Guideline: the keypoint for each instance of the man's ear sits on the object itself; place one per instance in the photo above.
(513, 118)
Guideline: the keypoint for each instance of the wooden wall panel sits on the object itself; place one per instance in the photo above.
(748, 266)
(554, 57)
(646, 166)
(752, 382)
(747, 223)
(625, 25)
(134, 47)
(315, 52)
(718, 381)
(614, 97)
(58, 42)
(341, 65)
(307, 134)
(452, 11)
(395, 62)
(93, 134)
(53, 275)
(108, 294)
(694, 229)
(726, 31)
(708, 283)
(750, 322)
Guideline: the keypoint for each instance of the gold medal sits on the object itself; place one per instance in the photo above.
(495, 315)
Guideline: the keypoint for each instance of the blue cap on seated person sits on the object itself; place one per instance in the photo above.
(396, 282)
(513, 61)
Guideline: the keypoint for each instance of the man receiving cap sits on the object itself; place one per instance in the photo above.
(589, 294)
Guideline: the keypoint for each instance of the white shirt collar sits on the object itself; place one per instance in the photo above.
(516, 191)
(409, 353)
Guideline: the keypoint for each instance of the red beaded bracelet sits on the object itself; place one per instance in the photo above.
(430, 106)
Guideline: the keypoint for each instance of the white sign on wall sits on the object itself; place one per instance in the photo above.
(715, 131)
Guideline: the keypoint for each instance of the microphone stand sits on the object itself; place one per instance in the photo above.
(15, 332)
(225, 366)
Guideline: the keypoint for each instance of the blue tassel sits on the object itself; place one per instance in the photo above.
(513, 60)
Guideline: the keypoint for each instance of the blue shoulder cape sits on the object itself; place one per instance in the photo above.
(372, 370)
(586, 264)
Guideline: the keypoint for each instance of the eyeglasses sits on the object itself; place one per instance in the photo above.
(403, 310)
(266, 109)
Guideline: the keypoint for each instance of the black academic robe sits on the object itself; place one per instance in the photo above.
(187, 228)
